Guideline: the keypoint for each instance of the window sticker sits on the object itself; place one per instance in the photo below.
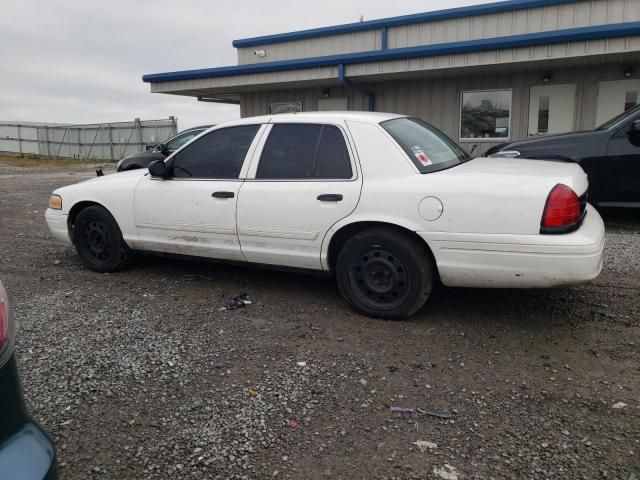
(423, 158)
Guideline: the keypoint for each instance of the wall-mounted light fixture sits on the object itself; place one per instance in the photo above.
(546, 77)
(326, 92)
(260, 53)
(627, 71)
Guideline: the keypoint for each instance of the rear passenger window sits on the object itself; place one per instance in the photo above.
(303, 151)
(219, 154)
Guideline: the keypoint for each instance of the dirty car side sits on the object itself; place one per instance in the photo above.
(477, 220)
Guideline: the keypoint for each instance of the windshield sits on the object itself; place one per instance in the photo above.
(179, 140)
(428, 148)
(618, 118)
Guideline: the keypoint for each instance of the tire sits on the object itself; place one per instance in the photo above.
(384, 273)
(98, 241)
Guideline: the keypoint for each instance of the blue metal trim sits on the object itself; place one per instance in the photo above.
(497, 7)
(514, 41)
(384, 37)
(346, 81)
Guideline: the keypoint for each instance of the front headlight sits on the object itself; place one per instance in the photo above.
(506, 154)
(55, 202)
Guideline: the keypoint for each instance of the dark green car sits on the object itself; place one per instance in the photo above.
(26, 451)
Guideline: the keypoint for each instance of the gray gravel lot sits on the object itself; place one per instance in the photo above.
(140, 374)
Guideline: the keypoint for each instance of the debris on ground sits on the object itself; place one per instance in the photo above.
(254, 392)
(434, 414)
(241, 301)
(301, 364)
(619, 405)
(425, 445)
(447, 472)
(400, 410)
(293, 423)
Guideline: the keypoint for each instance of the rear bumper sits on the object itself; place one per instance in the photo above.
(520, 261)
(57, 223)
(26, 451)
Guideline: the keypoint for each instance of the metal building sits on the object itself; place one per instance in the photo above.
(483, 74)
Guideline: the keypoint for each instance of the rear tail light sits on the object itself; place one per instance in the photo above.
(563, 211)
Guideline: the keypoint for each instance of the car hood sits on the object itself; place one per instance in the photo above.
(139, 172)
(146, 155)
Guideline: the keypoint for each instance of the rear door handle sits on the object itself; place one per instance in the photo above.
(330, 197)
(222, 195)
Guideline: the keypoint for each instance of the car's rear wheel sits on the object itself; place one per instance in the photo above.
(99, 242)
(384, 273)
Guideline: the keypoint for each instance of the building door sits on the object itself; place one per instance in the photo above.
(615, 97)
(552, 109)
(306, 181)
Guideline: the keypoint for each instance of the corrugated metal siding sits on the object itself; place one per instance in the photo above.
(314, 47)
(580, 14)
(507, 56)
(557, 17)
(561, 51)
(437, 100)
(231, 83)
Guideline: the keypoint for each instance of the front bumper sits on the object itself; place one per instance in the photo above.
(26, 451)
(57, 223)
(520, 261)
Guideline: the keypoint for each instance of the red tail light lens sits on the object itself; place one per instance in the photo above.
(562, 212)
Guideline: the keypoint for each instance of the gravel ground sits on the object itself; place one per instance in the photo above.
(141, 374)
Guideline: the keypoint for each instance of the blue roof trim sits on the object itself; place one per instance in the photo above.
(497, 7)
(515, 41)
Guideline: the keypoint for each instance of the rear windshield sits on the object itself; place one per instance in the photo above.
(428, 148)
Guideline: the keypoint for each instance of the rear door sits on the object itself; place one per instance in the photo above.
(306, 179)
(193, 211)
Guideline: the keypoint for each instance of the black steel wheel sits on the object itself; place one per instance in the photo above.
(99, 242)
(384, 273)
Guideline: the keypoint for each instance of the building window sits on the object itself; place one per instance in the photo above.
(485, 115)
(284, 107)
(543, 115)
(631, 99)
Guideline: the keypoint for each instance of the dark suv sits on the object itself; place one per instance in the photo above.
(160, 151)
(609, 154)
(26, 451)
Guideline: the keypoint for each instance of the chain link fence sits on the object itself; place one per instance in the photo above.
(100, 141)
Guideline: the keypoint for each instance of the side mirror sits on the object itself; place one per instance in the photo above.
(162, 148)
(635, 127)
(158, 169)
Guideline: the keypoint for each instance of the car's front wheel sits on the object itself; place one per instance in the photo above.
(99, 242)
(384, 273)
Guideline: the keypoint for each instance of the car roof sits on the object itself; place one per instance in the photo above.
(366, 117)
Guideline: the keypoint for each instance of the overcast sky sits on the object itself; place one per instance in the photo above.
(79, 61)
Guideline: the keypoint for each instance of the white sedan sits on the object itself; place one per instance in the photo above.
(387, 203)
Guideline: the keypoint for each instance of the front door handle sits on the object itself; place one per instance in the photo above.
(330, 197)
(222, 195)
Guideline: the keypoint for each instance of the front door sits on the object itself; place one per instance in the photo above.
(619, 172)
(306, 180)
(193, 211)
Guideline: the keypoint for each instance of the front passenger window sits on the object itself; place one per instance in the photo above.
(218, 155)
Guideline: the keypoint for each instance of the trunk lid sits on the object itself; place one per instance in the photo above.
(502, 195)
